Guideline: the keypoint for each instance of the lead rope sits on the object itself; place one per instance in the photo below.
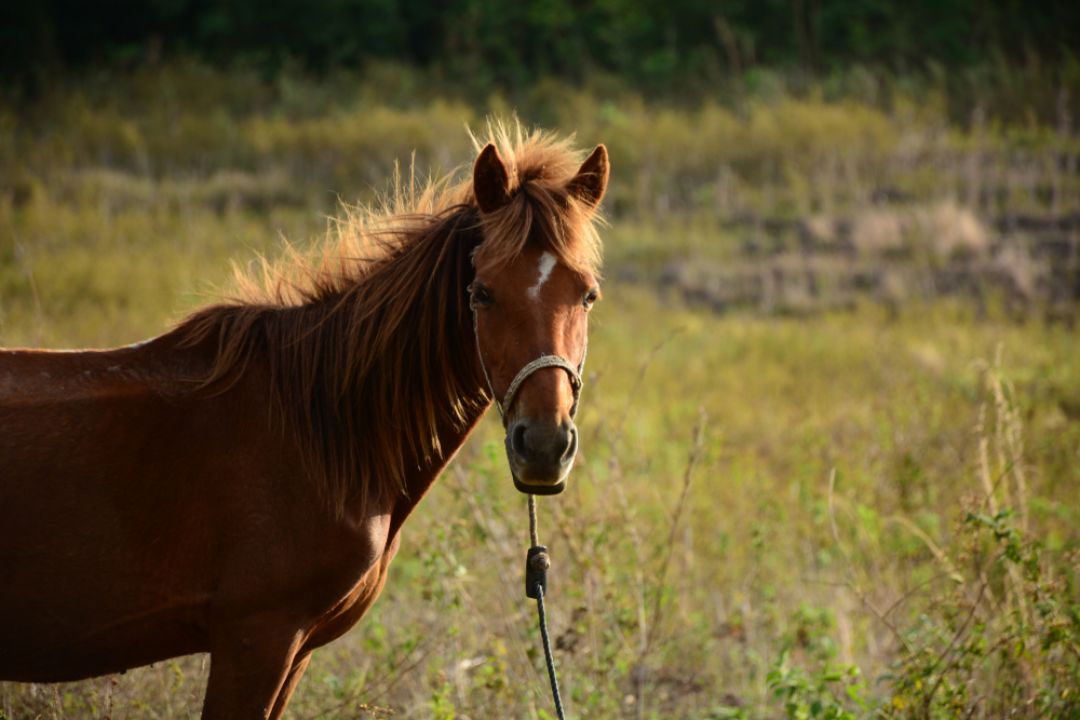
(537, 561)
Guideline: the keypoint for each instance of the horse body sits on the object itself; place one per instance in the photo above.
(238, 485)
(167, 549)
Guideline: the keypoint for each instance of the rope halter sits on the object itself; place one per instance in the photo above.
(544, 361)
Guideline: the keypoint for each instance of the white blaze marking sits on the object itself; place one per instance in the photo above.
(547, 264)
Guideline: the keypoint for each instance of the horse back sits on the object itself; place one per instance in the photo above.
(115, 486)
(141, 512)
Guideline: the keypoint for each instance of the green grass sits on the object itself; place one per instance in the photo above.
(771, 516)
(892, 406)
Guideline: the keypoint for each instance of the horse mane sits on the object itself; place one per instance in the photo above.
(368, 337)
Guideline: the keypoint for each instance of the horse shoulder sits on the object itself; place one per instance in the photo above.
(363, 568)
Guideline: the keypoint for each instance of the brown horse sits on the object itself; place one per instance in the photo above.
(238, 485)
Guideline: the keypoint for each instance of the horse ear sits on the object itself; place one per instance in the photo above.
(491, 184)
(589, 184)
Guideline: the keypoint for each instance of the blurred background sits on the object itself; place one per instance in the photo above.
(831, 430)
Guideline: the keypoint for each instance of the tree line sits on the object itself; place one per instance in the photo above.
(650, 44)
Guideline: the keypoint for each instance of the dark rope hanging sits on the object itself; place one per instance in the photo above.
(537, 563)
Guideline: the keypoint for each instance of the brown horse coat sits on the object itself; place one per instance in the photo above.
(234, 486)
(162, 523)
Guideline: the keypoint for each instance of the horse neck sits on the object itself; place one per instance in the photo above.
(449, 358)
(377, 381)
(421, 480)
(451, 433)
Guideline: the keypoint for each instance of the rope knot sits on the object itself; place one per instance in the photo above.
(537, 563)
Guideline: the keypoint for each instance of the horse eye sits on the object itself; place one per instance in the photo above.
(480, 295)
(590, 298)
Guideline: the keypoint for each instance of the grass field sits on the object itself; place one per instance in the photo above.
(858, 512)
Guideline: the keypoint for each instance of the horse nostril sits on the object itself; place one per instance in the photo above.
(542, 445)
(517, 440)
(570, 436)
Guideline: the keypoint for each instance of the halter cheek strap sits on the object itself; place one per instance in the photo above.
(544, 361)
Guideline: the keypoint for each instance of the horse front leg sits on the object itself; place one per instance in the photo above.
(298, 667)
(250, 666)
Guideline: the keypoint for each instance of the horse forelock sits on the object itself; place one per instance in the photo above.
(540, 167)
(367, 339)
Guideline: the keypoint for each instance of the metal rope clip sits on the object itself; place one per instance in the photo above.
(537, 563)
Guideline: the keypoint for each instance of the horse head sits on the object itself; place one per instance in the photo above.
(535, 283)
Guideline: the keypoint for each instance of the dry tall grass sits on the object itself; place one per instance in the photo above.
(817, 546)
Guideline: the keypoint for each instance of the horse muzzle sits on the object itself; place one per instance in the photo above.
(541, 455)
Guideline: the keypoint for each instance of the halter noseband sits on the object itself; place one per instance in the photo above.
(544, 361)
